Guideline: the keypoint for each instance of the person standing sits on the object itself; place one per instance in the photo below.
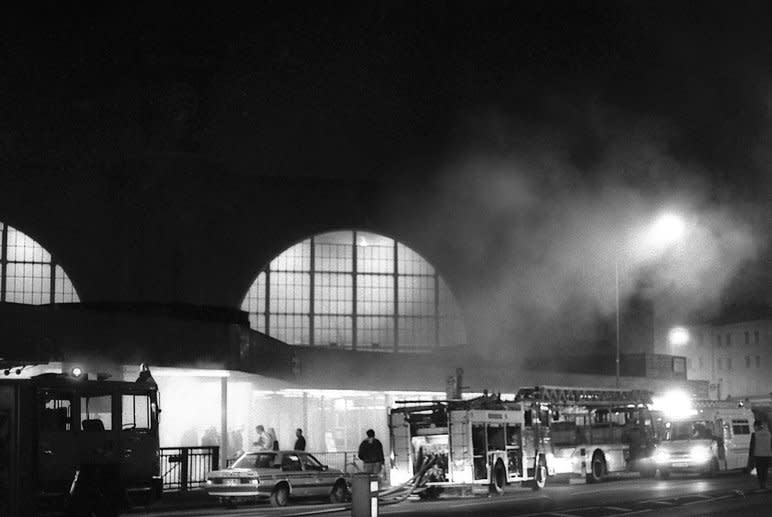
(300, 442)
(760, 452)
(371, 453)
(264, 440)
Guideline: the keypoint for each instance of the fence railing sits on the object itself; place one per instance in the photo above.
(346, 461)
(185, 468)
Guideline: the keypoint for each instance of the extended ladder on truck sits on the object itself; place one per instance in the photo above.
(596, 431)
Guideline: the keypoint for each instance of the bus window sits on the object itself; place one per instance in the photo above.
(136, 412)
(56, 412)
(96, 413)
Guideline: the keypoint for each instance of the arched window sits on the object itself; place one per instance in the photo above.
(28, 273)
(354, 290)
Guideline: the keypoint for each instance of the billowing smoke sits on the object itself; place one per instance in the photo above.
(547, 227)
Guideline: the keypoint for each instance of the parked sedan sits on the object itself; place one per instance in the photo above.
(278, 476)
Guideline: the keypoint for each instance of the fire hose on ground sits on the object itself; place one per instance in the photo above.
(399, 493)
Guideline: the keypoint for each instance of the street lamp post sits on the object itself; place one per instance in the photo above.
(666, 229)
(616, 285)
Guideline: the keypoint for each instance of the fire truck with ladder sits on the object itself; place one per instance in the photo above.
(594, 432)
(479, 443)
(72, 444)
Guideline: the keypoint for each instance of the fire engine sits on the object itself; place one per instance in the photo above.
(708, 437)
(56, 427)
(594, 432)
(483, 442)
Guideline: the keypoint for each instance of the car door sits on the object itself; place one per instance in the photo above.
(318, 476)
(292, 470)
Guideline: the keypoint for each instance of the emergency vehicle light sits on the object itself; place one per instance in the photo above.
(76, 372)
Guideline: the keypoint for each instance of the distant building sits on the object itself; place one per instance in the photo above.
(735, 357)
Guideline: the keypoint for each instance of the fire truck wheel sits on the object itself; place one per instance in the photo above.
(597, 468)
(280, 495)
(664, 474)
(499, 478)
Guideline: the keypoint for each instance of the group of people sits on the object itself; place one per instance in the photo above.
(267, 440)
(370, 450)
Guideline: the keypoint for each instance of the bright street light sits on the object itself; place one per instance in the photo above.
(667, 229)
(678, 336)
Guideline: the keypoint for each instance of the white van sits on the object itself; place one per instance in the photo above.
(715, 438)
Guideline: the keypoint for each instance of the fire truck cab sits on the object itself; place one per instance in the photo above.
(482, 442)
(56, 427)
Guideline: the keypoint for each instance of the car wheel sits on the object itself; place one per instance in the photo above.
(339, 492)
(597, 468)
(499, 478)
(280, 495)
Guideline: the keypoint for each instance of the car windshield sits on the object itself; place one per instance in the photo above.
(259, 460)
(692, 430)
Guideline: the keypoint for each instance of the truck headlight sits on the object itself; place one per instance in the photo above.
(661, 457)
(700, 453)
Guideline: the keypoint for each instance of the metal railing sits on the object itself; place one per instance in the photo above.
(185, 468)
(346, 461)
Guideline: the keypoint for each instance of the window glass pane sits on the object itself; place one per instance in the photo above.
(291, 328)
(254, 301)
(28, 283)
(333, 293)
(410, 262)
(64, 291)
(21, 248)
(333, 331)
(375, 294)
(416, 333)
(375, 332)
(296, 258)
(96, 413)
(334, 251)
(135, 412)
(56, 412)
(416, 295)
(447, 302)
(290, 292)
(375, 253)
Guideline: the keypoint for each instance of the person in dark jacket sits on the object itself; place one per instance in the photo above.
(760, 452)
(300, 442)
(371, 453)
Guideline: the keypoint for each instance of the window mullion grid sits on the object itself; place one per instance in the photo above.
(52, 289)
(396, 296)
(3, 261)
(312, 292)
(436, 309)
(354, 292)
(268, 300)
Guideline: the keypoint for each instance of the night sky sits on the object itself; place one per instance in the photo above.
(569, 100)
